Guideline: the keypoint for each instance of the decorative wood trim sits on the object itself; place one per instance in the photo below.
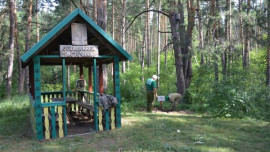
(38, 107)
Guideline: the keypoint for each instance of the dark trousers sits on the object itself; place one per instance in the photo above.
(150, 100)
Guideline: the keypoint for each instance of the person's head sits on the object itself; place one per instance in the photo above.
(154, 77)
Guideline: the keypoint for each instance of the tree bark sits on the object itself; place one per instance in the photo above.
(188, 54)
(113, 13)
(95, 9)
(268, 47)
(247, 39)
(102, 22)
(147, 34)
(123, 40)
(158, 43)
(241, 28)
(10, 47)
(24, 75)
(200, 29)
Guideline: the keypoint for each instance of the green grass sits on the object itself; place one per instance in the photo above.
(141, 131)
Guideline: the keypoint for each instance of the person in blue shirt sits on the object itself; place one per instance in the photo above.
(151, 92)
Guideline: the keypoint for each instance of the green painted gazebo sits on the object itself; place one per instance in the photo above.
(76, 40)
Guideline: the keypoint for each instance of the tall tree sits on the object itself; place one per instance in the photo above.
(182, 44)
(102, 22)
(247, 38)
(95, 10)
(147, 31)
(158, 43)
(11, 46)
(268, 46)
(123, 39)
(24, 72)
(200, 30)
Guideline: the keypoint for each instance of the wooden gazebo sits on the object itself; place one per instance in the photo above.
(76, 40)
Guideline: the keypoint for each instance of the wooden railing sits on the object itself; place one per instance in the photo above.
(54, 113)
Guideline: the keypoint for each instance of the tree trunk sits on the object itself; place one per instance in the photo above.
(247, 38)
(147, 33)
(158, 43)
(268, 45)
(227, 38)
(102, 22)
(200, 29)
(20, 69)
(187, 52)
(37, 22)
(182, 42)
(113, 12)
(24, 75)
(10, 47)
(241, 28)
(123, 40)
(175, 23)
(95, 9)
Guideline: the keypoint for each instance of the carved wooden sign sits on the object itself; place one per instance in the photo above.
(79, 51)
(79, 34)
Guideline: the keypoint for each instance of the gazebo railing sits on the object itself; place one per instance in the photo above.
(54, 123)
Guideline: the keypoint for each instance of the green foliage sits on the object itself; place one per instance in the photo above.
(242, 93)
(13, 116)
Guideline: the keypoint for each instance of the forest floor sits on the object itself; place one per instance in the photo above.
(141, 131)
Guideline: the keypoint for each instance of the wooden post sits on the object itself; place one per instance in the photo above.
(90, 79)
(116, 77)
(39, 123)
(95, 94)
(81, 71)
(101, 89)
(64, 95)
(31, 80)
(53, 122)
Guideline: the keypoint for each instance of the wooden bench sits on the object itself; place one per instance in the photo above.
(86, 106)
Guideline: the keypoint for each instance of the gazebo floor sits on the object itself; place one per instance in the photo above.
(80, 125)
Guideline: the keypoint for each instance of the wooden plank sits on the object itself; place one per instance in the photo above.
(71, 51)
(117, 91)
(53, 123)
(65, 119)
(81, 71)
(79, 34)
(86, 106)
(49, 104)
(64, 94)
(38, 107)
(101, 90)
(60, 121)
(95, 93)
(47, 124)
(107, 119)
(100, 119)
(112, 118)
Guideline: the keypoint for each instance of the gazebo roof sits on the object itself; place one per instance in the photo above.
(61, 35)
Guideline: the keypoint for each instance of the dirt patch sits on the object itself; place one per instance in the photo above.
(161, 111)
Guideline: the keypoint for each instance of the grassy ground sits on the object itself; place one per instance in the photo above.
(140, 131)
